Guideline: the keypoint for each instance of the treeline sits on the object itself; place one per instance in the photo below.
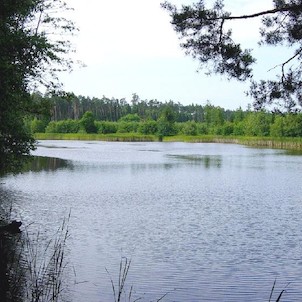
(72, 114)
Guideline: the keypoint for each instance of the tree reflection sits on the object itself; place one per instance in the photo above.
(41, 163)
(208, 161)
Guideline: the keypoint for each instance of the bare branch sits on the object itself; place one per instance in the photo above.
(39, 21)
(287, 61)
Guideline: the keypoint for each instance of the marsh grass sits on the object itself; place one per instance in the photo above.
(45, 264)
(280, 294)
(294, 143)
(120, 289)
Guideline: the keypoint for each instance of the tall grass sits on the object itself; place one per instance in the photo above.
(119, 289)
(33, 269)
(45, 264)
(279, 295)
(294, 143)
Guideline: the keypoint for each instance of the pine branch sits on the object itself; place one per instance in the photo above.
(263, 13)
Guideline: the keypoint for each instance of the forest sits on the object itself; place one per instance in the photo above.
(79, 114)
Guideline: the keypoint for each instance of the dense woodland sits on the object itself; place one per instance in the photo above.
(73, 114)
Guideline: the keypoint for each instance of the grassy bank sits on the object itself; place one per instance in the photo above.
(269, 142)
(120, 137)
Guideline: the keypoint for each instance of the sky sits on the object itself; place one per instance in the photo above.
(130, 47)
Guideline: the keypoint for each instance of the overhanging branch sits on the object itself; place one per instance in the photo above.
(263, 13)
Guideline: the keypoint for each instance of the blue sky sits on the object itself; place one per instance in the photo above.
(130, 47)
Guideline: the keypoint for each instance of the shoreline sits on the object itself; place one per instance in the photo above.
(266, 142)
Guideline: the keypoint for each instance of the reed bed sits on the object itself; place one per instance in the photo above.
(267, 142)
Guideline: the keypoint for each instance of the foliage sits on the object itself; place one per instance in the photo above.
(37, 125)
(207, 37)
(211, 120)
(67, 126)
(166, 122)
(148, 127)
(105, 127)
(130, 117)
(189, 128)
(29, 58)
(87, 122)
(257, 124)
(127, 127)
(292, 125)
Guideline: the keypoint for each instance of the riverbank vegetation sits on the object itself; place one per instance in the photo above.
(83, 118)
(31, 57)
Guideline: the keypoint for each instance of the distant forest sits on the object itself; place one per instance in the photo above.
(72, 114)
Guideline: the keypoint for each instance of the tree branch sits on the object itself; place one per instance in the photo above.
(287, 61)
(267, 12)
(39, 22)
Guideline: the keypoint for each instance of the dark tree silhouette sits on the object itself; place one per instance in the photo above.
(205, 37)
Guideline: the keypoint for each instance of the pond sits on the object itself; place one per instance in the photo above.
(200, 222)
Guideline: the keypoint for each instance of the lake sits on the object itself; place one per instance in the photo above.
(201, 222)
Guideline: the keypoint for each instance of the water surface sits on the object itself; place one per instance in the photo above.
(201, 222)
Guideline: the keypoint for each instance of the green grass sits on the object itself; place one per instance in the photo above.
(120, 137)
(294, 143)
(270, 142)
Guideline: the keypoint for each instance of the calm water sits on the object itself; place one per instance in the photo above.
(201, 222)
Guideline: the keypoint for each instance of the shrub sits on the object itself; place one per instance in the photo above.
(227, 128)
(105, 127)
(66, 126)
(87, 122)
(238, 128)
(148, 127)
(37, 126)
(130, 118)
(293, 125)
(189, 128)
(277, 128)
(127, 127)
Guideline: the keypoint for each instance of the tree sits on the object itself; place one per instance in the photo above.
(206, 37)
(30, 56)
(87, 122)
(166, 122)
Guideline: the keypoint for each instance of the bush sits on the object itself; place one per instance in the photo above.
(148, 127)
(257, 124)
(105, 127)
(293, 125)
(227, 128)
(37, 126)
(130, 118)
(202, 128)
(238, 128)
(166, 128)
(87, 122)
(277, 128)
(127, 127)
(189, 128)
(66, 126)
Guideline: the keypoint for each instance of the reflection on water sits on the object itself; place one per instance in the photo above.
(42, 163)
(207, 161)
(214, 222)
